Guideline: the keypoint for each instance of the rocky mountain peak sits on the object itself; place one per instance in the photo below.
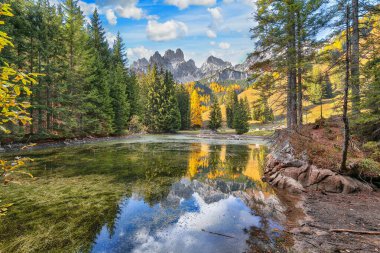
(214, 60)
(176, 56)
(214, 69)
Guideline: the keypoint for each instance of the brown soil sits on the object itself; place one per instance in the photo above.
(322, 141)
(359, 212)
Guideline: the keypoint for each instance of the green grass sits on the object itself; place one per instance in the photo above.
(58, 214)
(261, 133)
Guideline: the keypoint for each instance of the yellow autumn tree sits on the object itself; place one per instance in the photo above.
(195, 110)
(12, 85)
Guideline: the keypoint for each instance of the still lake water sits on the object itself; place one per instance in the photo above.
(149, 194)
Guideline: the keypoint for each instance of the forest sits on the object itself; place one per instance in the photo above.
(75, 111)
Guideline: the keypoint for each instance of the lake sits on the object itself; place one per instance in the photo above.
(147, 194)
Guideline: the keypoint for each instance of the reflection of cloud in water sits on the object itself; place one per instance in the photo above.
(176, 223)
(227, 216)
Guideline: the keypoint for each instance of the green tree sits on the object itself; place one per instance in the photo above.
(215, 115)
(241, 117)
(183, 98)
(170, 117)
(98, 114)
(231, 102)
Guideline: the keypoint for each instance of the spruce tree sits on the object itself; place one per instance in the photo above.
(98, 114)
(231, 102)
(72, 89)
(241, 118)
(119, 87)
(170, 117)
(183, 99)
(215, 115)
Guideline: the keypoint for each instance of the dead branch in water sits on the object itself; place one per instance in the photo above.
(217, 234)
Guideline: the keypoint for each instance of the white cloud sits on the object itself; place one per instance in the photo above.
(110, 37)
(169, 30)
(224, 45)
(87, 9)
(139, 52)
(129, 12)
(111, 17)
(216, 14)
(212, 43)
(183, 4)
(211, 34)
(123, 8)
(186, 234)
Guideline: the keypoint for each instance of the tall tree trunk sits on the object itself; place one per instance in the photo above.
(355, 81)
(292, 69)
(299, 70)
(31, 71)
(343, 164)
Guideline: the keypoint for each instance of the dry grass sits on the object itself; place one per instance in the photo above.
(322, 143)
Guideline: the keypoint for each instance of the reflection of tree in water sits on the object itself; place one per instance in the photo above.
(160, 172)
(218, 161)
(256, 165)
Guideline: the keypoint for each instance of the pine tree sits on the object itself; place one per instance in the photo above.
(241, 118)
(215, 116)
(183, 98)
(151, 110)
(195, 110)
(120, 82)
(170, 117)
(98, 114)
(231, 102)
(71, 91)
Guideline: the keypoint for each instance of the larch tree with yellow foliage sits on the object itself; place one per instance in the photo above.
(195, 110)
(13, 84)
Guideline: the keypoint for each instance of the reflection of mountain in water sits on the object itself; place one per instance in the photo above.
(181, 222)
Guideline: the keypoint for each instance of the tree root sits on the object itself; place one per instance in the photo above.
(355, 231)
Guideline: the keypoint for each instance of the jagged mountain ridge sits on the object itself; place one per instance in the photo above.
(214, 69)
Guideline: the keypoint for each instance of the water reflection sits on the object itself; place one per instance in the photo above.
(181, 223)
(144, 197)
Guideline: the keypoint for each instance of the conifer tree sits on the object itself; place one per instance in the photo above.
(231, 102)
(71, 91)
(98, 114)
(170, 117)
(119, 86)
(195, 110)
(215, 115)
(183, 98)
(241, 118)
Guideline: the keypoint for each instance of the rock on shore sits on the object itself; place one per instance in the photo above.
(285, 171)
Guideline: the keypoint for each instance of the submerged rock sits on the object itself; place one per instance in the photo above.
(285, 171)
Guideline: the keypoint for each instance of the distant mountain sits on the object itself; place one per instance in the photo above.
(214, 69)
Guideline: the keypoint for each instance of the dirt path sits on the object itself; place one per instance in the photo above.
(360, 212)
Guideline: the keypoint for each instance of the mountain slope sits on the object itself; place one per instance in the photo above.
(213, 70)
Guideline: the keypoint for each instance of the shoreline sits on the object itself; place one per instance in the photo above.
(321, 222)
(9, 148)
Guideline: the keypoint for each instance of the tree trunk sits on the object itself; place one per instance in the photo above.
(355, 81)
(299, 71)
(345, 98)
(292, 70)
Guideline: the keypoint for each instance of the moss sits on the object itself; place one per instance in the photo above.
(369, 167)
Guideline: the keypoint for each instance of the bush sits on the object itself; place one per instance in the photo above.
(136, 126)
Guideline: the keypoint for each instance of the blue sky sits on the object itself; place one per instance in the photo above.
(200, 27)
